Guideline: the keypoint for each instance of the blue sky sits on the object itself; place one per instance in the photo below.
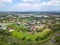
(29, 5)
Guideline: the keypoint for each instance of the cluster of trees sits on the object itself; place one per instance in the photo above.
(3, 37)
(21, 28)
(40, 29)
(17, 27)
(54, 27)
(57, 38)
(44, 35)
(4, 32)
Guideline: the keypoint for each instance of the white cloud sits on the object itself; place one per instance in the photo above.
(49, 3)
(31, 1)
(26, 5)
(54, 2)
(34, 6)
(28, 0)
(2, 2)
(7, 1)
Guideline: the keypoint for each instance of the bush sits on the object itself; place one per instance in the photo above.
(39, 30)
(14, 43)
(38, 38)
(57, 38)
(23, 38)
(29, 39)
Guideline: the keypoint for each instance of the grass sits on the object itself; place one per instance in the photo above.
(20, 35)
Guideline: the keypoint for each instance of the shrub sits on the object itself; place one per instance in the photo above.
(23, 38)
(29, 39)
(38, 38)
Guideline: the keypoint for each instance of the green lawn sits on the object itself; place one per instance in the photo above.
(32, 37)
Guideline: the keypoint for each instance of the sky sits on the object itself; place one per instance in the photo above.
(29, 5)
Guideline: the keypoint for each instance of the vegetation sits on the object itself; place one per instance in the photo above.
(29, 30)
(54, 27)
(32, 37)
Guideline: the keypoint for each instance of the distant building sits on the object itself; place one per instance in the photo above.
(18, 23)
(3, 27)
(11, 30)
